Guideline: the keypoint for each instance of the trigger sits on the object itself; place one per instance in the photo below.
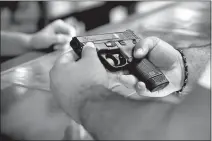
(111, 59)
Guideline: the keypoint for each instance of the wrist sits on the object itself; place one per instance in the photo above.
(29, 43)
(184, 71)
(74, 102)
(93, 95)
(96, 114)
(115, 117)
(26, 39)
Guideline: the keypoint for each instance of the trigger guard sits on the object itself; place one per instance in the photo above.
(116, 62)
(102, 53)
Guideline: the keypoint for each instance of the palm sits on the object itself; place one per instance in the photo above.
(173, 85)
(169, 61)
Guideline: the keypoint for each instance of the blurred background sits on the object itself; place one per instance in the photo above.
(31, 16)
(188, 18)
(192, 18)
(182, 24)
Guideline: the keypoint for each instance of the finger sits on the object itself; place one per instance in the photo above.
(128, 81)
(60, 26)
(49, 40)
(160, 53)
(89, 51)
(143, 91)
(63, 47)
(141, 88)
(145, 46)
(62, 39)
(65, 58)
(163, 55)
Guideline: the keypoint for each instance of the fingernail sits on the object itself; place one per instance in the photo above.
(140, 86)
(138, 52)
(90, 44)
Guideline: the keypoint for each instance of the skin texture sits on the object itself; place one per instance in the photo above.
(165, 58)
(69, 92)
(197, 58)
(84, 79)
(108, 115)
(117, 118)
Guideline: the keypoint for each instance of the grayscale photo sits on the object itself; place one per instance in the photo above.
(105, 70)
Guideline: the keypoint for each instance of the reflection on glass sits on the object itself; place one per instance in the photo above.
(143, 7)
(118, 14)
(21, 76)
(185, 14)
(20, 90)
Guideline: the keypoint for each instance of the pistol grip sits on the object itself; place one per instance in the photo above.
(145, 71)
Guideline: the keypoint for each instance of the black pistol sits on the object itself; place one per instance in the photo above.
(115, 51)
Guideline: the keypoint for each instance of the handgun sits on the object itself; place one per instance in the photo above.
(115, 51)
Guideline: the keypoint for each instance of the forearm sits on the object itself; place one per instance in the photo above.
(197, 59)
(115, 117)
(191, 118)
(14, 43)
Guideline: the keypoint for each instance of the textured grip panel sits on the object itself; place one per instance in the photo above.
(145, 71)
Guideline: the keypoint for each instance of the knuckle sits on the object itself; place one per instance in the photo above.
(153, 40)
(139, 44)
(58, 22)
(88, 50)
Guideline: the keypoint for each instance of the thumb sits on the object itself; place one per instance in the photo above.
(145, 46)
(89, 51)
